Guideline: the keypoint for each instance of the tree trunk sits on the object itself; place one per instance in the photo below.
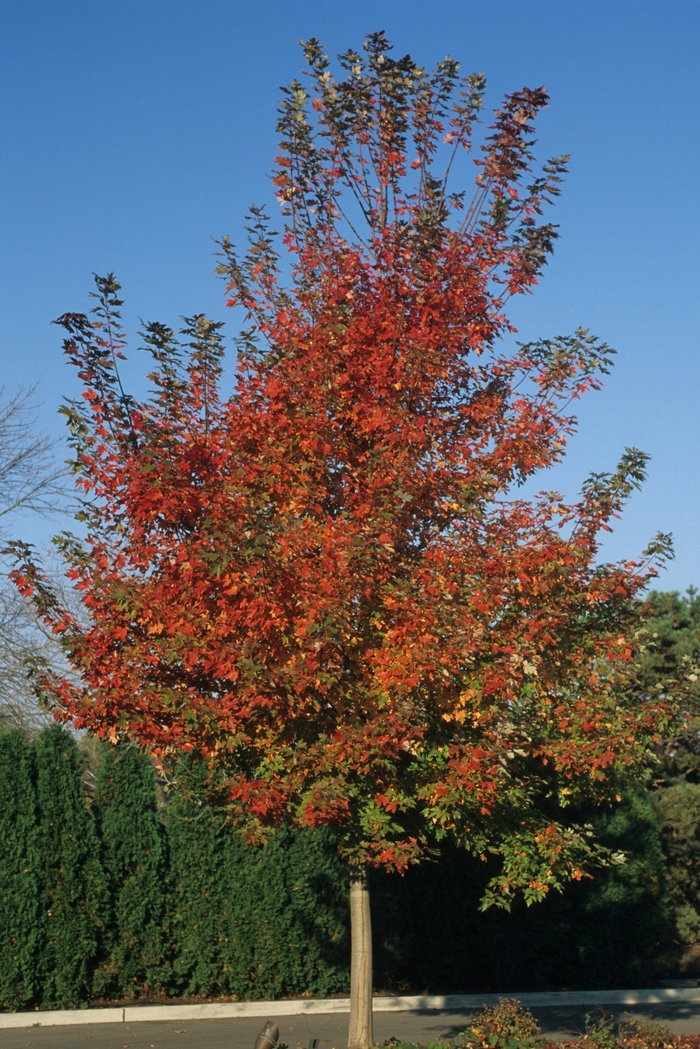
(360, 1033)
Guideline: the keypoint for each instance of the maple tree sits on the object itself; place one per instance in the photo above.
(323, 581)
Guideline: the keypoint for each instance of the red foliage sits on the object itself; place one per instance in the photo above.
(322, 581)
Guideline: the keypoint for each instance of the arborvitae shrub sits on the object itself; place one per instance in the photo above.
(22, 903)
(134, 952)
(199, 882)
(73, 881)
(253, 922)
(289, 916)
(203, 913)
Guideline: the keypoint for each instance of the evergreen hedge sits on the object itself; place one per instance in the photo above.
(288, 917)
(118, 897)
(199, 919)
(134, 951)
(254, 923)
(22, 916)
(71, 875)
(613, 930)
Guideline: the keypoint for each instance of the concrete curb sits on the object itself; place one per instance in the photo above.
(301, 1006)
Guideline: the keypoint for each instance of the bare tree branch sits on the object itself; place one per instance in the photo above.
(32, 483)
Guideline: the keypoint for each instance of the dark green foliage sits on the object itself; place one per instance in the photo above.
(189, 909)
(288, 917)
(678, 808)
(199, 903)
(134, 952)
(255, 923)
(73, 882)
(623, 924)
(675, 627)
(423, 925)
(430, 934)
(22, 906)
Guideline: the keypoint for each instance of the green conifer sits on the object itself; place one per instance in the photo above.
(612, 929)
(252, 922)
(73, 881)
(625, 927)
(199, 900)
(134, 859)
(22, 906)
(288, 916)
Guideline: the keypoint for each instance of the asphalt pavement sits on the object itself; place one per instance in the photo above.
(296, 1031)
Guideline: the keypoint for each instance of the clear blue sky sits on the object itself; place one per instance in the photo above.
(136, 133)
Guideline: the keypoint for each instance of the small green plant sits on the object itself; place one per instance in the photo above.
(600, 1030)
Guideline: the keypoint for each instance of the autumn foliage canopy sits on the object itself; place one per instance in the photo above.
(321, 578)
